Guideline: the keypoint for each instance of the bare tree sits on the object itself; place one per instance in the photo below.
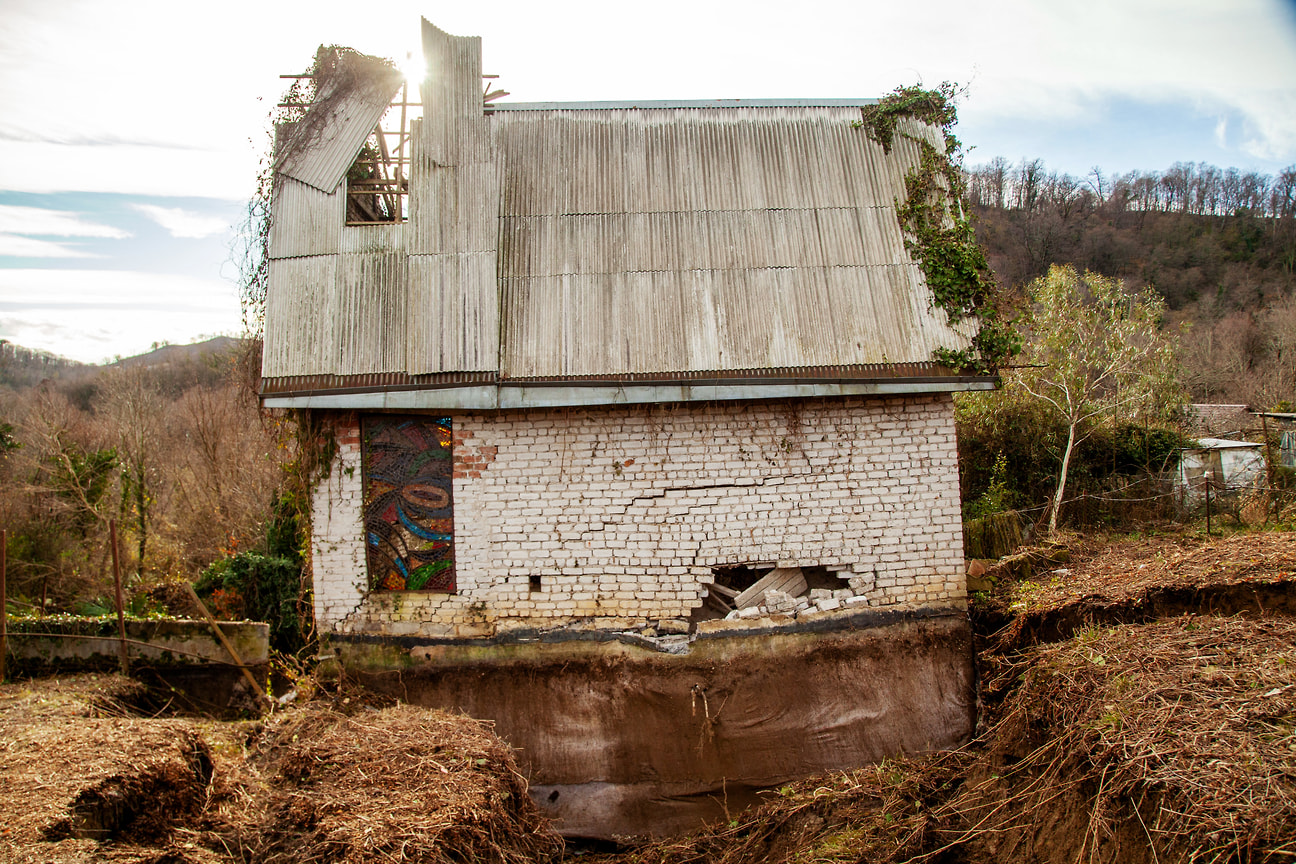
(136, 411)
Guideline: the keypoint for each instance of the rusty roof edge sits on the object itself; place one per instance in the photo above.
(667, 104)
(513, 395)
(925, 372)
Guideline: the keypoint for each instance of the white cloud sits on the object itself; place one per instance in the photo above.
(184, 223)
(127, 168)
(39, 221)
(16, 246)
(206, 101)
(90, 315)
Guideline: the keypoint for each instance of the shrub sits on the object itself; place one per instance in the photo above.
(260, 587)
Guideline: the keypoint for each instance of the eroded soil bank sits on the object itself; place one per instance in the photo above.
(621, 741)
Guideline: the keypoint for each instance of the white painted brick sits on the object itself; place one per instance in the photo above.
(856, 491)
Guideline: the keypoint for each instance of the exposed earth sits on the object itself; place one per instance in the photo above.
(1139, 705)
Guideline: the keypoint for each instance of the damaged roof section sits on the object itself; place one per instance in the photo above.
(352, 92)
(596, 245)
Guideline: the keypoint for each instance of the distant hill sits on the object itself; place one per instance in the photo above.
(26, 367)
(178, 366)
(167, 355)
(1218, 244)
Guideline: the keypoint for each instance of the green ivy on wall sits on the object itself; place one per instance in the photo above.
(937, 231)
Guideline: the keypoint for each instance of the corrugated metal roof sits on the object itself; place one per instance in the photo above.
(453, 321)
(323, 145)
(648, 241)
(306, 221)
(301, 311)
(639, 241)
(1222, 444)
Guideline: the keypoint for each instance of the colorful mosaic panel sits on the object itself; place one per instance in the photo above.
(408, 507)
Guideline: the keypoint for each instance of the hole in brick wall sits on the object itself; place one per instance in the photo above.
(740, 576)
(821, 577)
(722, 594)
(729, 581)
(535, 585)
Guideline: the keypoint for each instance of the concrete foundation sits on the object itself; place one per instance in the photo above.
(181, 659)
(620, 739)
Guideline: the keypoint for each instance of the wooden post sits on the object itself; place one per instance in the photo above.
(121, 615)
(1270, 502)
(4, 601)
(1206, 475)
(220, 634)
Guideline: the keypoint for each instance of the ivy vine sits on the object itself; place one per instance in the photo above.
(937, 230)
(303, 113)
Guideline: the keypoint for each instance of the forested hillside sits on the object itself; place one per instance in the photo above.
(1218, 244)
(24, 367)
(170, 445)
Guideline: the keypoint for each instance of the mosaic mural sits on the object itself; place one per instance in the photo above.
(408, 510)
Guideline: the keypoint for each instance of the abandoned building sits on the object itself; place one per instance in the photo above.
(635, 444)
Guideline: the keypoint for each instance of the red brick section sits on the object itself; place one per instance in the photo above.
(470, 458)
(347, 429)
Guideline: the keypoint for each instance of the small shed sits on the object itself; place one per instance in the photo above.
(1227, 466)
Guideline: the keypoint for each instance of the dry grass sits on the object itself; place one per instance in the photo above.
(82, 778)
(62, 743)
(1170, 741)
(397, 784)
(1185, 728)
(1127, 568)
(1173, 740)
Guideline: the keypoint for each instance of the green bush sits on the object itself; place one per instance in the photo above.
(1010, 452)
(259, 587)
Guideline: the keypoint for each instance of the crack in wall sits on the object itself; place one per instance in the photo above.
(666, 490)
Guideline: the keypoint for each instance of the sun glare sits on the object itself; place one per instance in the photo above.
(414, 67)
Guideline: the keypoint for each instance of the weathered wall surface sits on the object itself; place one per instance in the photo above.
(40, 645)
(616, 739)
(621, 513)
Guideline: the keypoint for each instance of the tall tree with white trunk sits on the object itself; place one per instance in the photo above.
(1095, 350)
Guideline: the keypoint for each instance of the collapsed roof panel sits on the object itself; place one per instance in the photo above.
(350, 99)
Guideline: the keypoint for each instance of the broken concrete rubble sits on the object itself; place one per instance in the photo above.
(795, 600)
(780, 601)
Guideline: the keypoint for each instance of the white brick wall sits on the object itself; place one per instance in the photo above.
(623, 511)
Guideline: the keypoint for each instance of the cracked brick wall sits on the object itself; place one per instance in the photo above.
(619, 514)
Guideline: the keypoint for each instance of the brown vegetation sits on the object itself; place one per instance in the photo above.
(1166, 739)
(1218, 245)
(338, 780)
(178, 453)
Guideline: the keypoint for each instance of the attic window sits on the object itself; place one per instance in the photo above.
(378, 180)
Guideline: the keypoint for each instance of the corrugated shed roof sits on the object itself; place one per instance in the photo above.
(665, 240)
(600, 242)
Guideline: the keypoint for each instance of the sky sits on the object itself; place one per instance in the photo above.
(132, 131)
